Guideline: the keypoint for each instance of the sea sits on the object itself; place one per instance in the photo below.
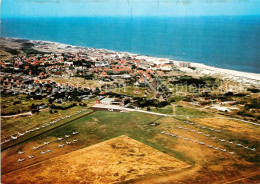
(221, 41)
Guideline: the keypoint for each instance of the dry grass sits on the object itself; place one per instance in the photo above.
(77, 81)
(116, 160)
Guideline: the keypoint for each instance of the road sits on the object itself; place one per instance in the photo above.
(119, 108)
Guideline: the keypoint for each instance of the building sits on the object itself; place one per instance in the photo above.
(109, 101)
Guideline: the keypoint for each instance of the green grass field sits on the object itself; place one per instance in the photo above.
(10, 126)
(8, 106)
(165, 110)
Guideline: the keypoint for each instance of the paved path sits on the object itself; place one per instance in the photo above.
(22, 114)
(18, 115)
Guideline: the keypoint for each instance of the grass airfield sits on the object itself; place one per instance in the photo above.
(206, 164)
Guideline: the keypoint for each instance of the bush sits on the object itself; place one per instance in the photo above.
(35, 111)
(253, 105)
(33, 106)
(16, 102)
(253, 90)
(63, 107)
(229, 94)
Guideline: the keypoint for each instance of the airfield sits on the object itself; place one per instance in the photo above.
(135, 147)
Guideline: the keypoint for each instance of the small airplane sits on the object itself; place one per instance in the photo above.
(48, 150)
(75, 140)
(74, 133)
(46, 143)
(20, 160)
(20, 134)
(224, 150)
(210, 146)
(68, 143)
(202, 143)
(20, 152)
(30, 156)
(43, 152)
(60, 138)
(231, 153)
(35, 148)
(216, 148)
(61, 145)
(13, 137)
(67, 136)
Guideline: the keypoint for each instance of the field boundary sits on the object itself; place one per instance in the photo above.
(41, 133)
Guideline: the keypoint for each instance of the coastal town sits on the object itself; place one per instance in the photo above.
(67, 73)
(47, 87)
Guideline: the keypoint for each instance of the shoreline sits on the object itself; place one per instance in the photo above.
(239, 76)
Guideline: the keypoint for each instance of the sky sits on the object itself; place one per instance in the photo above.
(86, 8)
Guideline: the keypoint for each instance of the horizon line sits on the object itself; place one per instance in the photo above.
(136, 16)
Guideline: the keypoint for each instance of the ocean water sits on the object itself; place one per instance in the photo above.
(225, 42)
